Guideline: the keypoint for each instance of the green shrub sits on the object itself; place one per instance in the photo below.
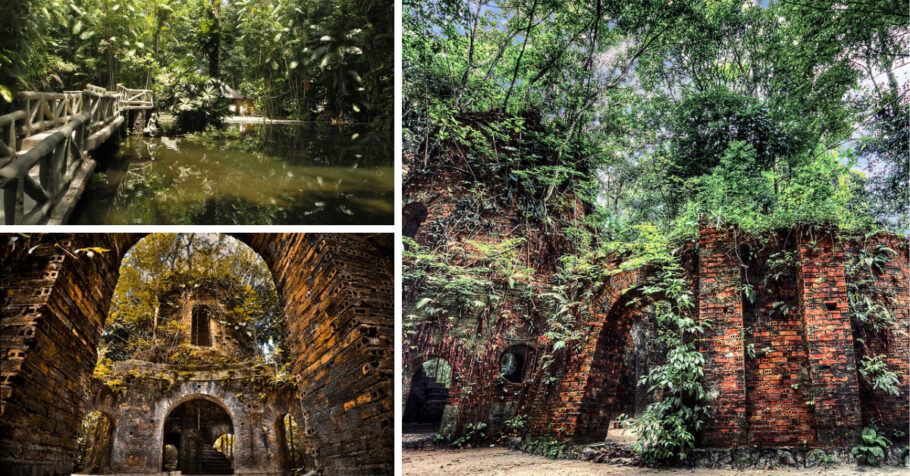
(198, 103)
(872, 451)
(875, 371)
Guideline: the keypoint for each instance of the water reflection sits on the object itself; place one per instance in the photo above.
(259, 174)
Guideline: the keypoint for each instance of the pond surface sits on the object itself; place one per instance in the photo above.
(247, 175)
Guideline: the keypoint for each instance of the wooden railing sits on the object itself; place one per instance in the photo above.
(56, 161)
(44, 147)
(135, 98)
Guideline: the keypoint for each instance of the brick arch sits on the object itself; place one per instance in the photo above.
(224, 399)
(570, 395)
(608, 391)
(336, 295)
(227, 401)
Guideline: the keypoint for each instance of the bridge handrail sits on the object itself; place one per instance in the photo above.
(55, 173)
(74, 122)
(8, 141)
(47, 110)
(135, 97)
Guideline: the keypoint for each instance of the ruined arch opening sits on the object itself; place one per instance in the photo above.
(291, 451)
(428, 397)
(200, 432)
(93, 446)
(625, 351)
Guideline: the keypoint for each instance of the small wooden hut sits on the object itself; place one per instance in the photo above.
(240, 104)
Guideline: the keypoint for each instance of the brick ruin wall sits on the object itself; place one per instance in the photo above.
(781, 367)
(53, 310)
(149, 393)
(336, 293)
(473, 347)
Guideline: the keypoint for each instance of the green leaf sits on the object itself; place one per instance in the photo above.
(6, 94)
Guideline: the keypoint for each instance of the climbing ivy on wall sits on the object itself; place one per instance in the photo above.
(668, 426)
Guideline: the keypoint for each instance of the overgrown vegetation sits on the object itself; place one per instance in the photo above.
(650, 116)
(197, 103)
(305, 59)
(872, 449)
(875, 371)
(154, 275)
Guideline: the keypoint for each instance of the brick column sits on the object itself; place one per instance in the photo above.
(53, 308)
(719, 299)
(829, 338)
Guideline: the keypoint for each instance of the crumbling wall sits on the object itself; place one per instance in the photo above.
(145, 394)
(336, 294)
(453, 208)
(781, 356)
(54, 303)
(889, 286)
(778, 383)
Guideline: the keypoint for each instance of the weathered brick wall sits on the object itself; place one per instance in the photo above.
(778, 385)
(780, 361)
(54, 304)
(720, 301)
(829, 339)
(336, 294)
(443, 214)
(888, 286)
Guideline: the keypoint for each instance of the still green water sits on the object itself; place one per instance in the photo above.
(251, 175)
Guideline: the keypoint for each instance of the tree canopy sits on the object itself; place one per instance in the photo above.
(295, 58)
(667, 101)
(161, 263)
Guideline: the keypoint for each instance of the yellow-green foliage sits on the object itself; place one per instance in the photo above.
(155, 272)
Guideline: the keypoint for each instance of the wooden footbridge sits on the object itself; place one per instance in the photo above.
(44, 148)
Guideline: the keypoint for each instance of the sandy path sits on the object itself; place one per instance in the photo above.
(505, 461)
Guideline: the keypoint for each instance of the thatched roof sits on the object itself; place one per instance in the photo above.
(229, 92)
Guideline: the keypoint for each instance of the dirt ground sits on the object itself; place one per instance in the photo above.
(505, 461)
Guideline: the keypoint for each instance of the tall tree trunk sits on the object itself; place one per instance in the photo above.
(213, 41)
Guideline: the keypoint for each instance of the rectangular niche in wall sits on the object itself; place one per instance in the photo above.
(201, 334)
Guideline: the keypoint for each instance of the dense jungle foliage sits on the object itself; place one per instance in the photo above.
(759, 114)
(158, 268)
(303, 59)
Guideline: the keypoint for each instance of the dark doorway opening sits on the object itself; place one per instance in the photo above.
(428, 397)
(202, 434)
(93, 447)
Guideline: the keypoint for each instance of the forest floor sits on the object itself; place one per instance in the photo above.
(506, 461)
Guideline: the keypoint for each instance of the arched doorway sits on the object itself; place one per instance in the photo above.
(428, 397)
(626, 350)
(93, 447)
(291, 452)
(200, 432)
